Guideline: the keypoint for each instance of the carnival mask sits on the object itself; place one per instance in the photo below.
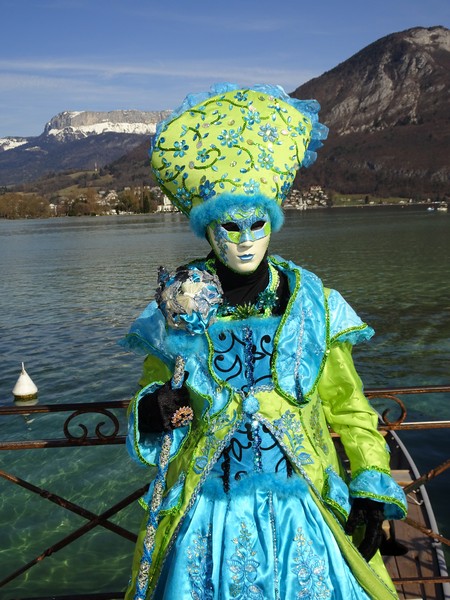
(240, 238)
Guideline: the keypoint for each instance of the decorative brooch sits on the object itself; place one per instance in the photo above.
(182, 416)
(189, 298)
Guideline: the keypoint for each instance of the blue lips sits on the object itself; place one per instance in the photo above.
(246, 257)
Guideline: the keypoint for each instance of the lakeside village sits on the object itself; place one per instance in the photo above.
(147, 199)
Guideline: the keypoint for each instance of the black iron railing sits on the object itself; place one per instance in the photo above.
(103, 423)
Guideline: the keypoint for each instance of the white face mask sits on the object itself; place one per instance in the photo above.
(240, 238)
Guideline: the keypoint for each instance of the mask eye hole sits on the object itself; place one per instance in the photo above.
(230, 226)
(258, 225)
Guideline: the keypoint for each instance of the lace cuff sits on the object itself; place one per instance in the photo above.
(380, 486)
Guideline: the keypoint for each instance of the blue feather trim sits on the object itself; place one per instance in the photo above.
(212, 210)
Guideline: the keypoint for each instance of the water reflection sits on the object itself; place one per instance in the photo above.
(71, 287)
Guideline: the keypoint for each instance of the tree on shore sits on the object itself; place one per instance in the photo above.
(23, 206)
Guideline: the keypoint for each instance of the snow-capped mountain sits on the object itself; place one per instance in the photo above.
(75, 140)
(74, 125)
(9, 143)
(387, 108)
(77, 125)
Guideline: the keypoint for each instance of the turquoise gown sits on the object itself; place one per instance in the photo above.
(256, 497)
(254, 532)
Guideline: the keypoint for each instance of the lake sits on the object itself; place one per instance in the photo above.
(71, 288)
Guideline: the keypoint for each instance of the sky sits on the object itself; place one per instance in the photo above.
(103, 55)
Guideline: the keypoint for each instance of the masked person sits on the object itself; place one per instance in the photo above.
(255, 502)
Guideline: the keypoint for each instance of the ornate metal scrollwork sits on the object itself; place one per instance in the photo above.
(384, 415)
(113, 420)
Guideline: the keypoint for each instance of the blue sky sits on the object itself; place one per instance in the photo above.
(104, 55)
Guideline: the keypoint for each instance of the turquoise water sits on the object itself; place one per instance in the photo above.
(70, 289)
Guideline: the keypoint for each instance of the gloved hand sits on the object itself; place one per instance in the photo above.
(369, 513)
(158, 411)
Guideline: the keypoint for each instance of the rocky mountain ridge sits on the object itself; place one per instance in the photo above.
(400, 79)
(387, 108)
(75, 140)
(71, 125)
(76, 125)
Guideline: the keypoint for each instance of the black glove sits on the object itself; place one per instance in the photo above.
(155, 410)
(369, 513)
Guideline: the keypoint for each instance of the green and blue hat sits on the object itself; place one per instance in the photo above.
(235, 146)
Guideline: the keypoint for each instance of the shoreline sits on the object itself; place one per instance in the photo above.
(435, 206)
(426, 205)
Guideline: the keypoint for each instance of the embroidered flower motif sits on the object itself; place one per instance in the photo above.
(265, 160)
(229, 138)
(184, 196)
(317, 429)
(277, 109)
(206, 190)
(285, 188)
(311, 571)
(211, 441)
(251, 187)
(252, 117)
(203, 155)
(199, 557)
(268, 133)
(300, 129)
(244, 568)
(180, 148)
(241, 96)
(289, 425)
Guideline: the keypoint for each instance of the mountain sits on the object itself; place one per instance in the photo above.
(75, 140)
(388, 110)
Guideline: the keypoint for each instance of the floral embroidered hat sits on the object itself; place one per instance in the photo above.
(235, 146)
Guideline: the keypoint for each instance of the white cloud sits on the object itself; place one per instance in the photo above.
(27, 73)
(32, 91)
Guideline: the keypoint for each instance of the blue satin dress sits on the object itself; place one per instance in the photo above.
(253, 532)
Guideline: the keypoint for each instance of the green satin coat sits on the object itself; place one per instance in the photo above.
(334, 402)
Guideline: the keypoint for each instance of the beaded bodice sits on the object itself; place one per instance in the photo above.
(242, 357)
(243, 351)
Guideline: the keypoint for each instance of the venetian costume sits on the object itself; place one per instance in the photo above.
(255, 498)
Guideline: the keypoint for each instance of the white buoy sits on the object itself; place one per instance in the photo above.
(25, 391)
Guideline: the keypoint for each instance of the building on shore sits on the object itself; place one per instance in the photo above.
(166, 205)
(315, 197)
